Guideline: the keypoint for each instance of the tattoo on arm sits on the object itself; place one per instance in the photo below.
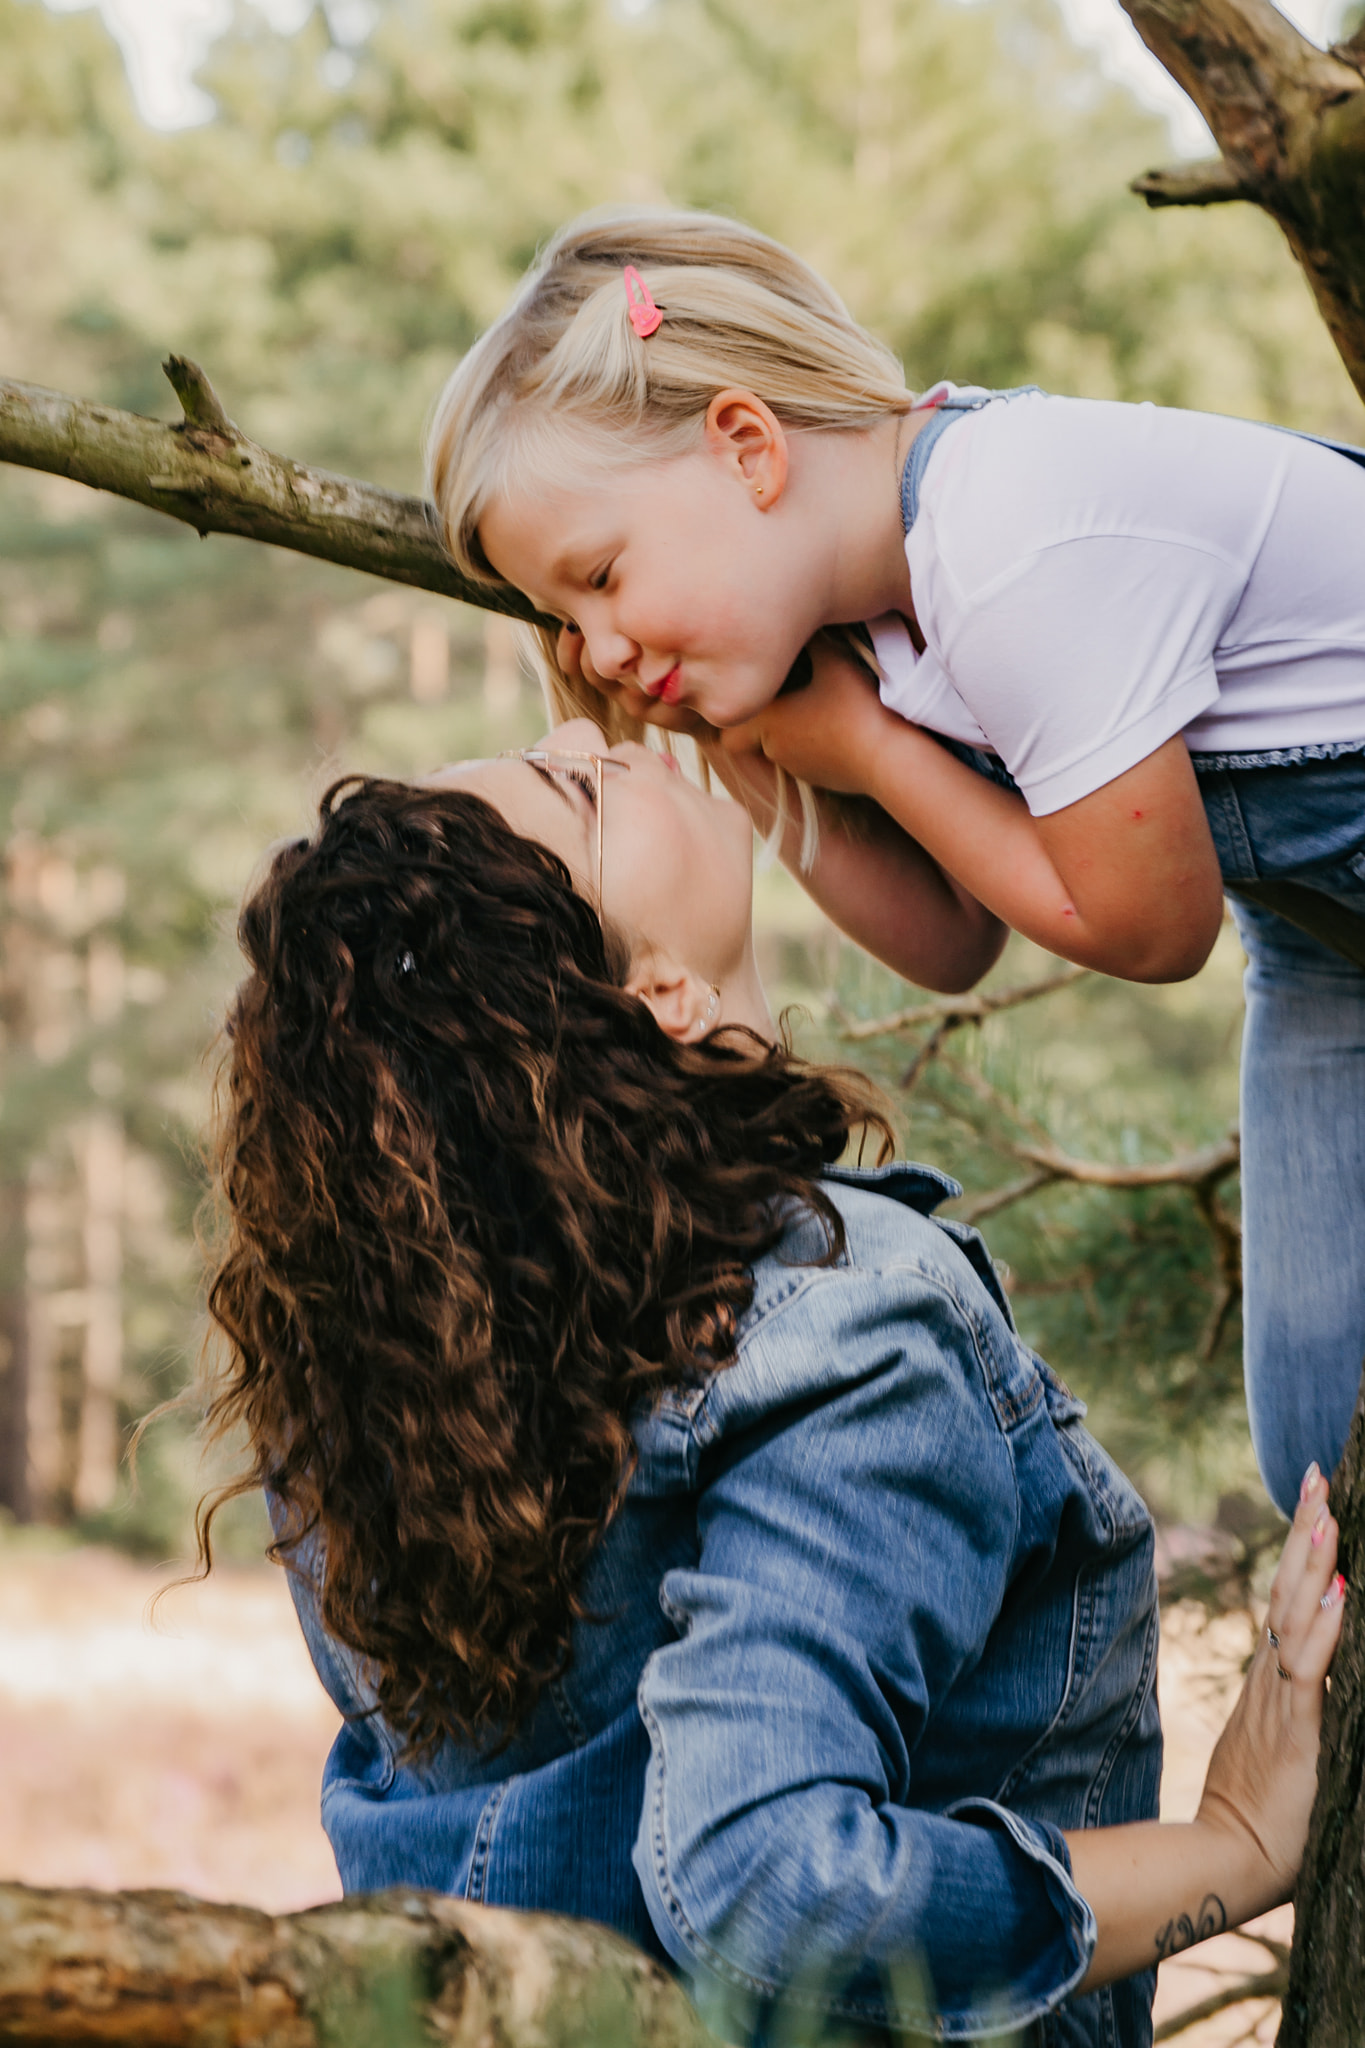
(1184, 1932)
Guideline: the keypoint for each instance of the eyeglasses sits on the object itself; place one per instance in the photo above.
(584, 769)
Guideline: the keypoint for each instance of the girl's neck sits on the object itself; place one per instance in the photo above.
(851, 483)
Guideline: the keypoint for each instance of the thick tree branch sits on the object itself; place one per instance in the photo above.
(205, 471)
(1289, 120)
(91, 1969)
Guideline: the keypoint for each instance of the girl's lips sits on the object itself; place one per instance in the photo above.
(668, 688)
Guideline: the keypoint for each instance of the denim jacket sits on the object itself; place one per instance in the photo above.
(876, 1622)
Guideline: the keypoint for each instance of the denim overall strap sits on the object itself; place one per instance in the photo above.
(1346, 448)
(922, 447)
(1332, 924)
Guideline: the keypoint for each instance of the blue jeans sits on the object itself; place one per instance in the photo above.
(1303, 1106)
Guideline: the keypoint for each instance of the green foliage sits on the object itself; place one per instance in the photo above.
(326, 250)
(1118, 1288)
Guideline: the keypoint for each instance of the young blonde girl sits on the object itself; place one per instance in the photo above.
(1121, 655)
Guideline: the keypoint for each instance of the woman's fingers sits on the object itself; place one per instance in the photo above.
(1307, 1596)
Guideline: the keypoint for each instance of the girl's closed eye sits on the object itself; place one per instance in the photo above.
(598, 579)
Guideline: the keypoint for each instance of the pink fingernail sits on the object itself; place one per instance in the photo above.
(1319, 1535)
(1310, 1480)
(1336, 1592)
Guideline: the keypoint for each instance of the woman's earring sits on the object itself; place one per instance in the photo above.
(706, 1021)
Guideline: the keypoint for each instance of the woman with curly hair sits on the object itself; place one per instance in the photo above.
(673, 1513)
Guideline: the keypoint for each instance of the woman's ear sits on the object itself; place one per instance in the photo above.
(681, 1003)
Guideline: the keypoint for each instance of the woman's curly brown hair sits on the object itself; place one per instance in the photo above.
(479, 1210)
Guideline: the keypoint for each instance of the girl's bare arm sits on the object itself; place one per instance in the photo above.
(1126, 880)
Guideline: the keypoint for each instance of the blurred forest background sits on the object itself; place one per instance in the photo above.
(326, 246)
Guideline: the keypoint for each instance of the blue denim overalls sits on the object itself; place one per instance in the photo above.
(1289, 831)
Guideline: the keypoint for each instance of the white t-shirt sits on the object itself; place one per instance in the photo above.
(1092, 578)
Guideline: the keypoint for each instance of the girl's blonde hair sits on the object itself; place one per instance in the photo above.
(561, 385)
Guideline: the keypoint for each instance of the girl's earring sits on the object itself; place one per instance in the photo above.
(706, 1022)
(758, 490)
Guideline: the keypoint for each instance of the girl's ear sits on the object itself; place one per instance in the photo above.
(681, 1003)
(749, 439)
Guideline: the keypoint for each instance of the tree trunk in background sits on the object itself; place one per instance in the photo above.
(1289, 120)
(91, 1969)
(1325, 2004)
(98, 1443)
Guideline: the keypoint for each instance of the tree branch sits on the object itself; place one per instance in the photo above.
(1185, 1169)
(977, 1207)
(198, 398)
(1270, 1984)
(1289, 120)
(205, 471)
(92, 1969)
(1210, 182)
(1258, 82)
(952, 1011)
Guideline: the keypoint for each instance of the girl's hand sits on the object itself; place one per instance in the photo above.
(1263, 1777)
(827, 733)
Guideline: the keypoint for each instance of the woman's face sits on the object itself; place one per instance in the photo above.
(677, 864)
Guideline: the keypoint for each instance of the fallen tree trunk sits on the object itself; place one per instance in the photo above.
(205, 471)
(160, 1970)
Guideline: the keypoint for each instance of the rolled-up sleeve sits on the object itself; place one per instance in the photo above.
(854, 1554)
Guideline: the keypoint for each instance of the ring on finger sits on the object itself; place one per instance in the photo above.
(1275, 1646)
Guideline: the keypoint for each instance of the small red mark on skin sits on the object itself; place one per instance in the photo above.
(1137, 814)
(1068, 910)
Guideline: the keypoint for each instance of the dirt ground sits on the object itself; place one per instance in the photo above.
(186, 1751)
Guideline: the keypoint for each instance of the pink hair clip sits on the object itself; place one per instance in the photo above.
(644, 314)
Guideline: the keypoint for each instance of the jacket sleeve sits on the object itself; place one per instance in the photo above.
(855, 1549)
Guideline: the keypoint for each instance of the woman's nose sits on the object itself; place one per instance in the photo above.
(576, 736)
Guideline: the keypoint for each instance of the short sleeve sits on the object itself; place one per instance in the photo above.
(1089, 656)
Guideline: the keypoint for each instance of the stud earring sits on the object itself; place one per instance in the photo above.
(706, 1022)
(758, 490)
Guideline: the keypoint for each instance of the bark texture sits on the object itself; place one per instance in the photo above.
(1289, 121)
(1324, 2006)
(205, 471)
(83, 1969)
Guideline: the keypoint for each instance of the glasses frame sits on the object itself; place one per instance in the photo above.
(547, 757)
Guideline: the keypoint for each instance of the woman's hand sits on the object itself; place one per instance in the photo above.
(1157, 1887)
(1263, 1776)
(829, 731)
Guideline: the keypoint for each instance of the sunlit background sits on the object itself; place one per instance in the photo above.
(164, 42)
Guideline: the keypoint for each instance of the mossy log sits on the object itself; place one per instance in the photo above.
(84, 1969)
